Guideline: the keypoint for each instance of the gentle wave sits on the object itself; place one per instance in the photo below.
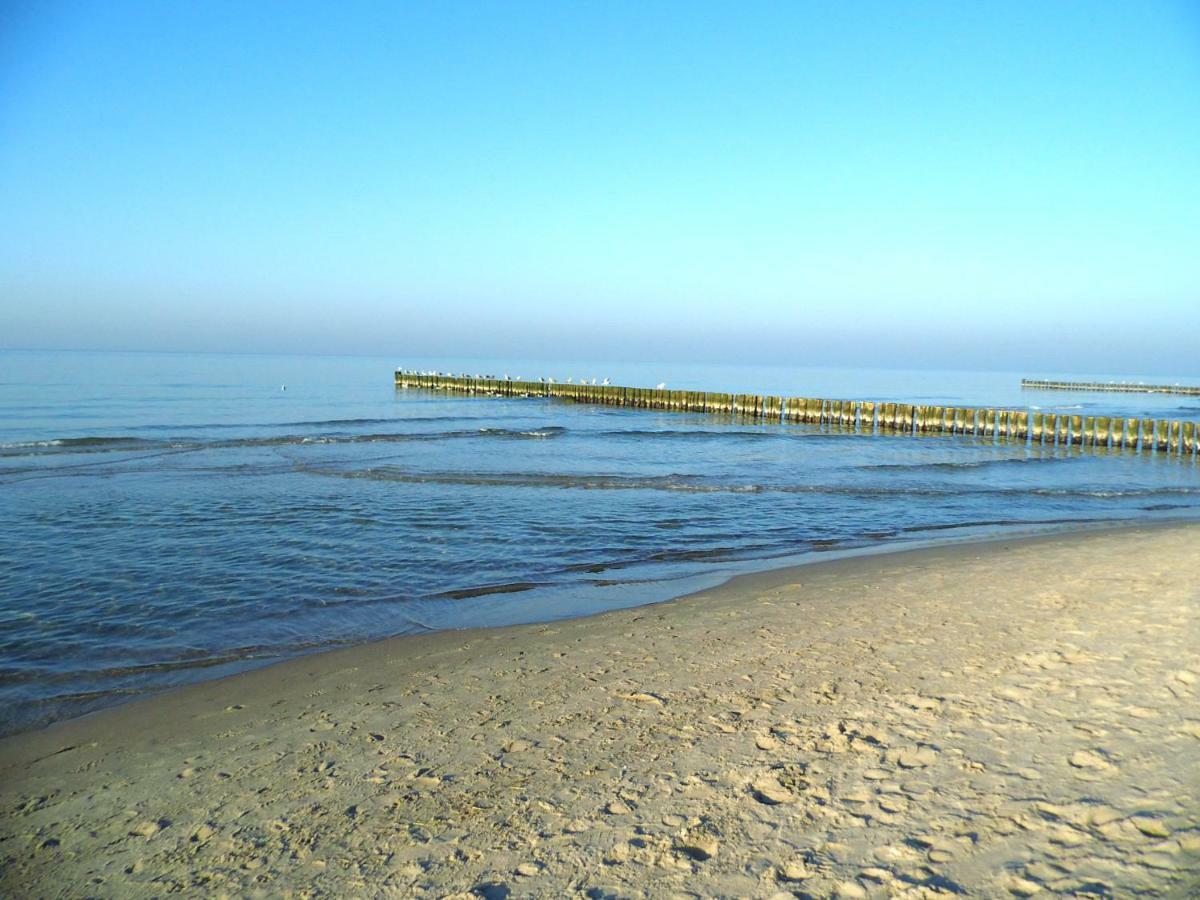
(114, 444)
(969, 463)
(79, 444)
(513, 587)
(789, 432)
(706, 485)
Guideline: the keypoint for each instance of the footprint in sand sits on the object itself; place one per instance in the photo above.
(1088, 760)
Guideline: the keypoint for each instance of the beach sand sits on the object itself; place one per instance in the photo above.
(997, 719)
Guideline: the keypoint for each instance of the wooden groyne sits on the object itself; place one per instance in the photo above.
(1161, 436)
(1110, 387)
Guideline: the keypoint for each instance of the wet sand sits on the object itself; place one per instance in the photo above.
(1010, 718)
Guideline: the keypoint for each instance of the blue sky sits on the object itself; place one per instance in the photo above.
(998, 185)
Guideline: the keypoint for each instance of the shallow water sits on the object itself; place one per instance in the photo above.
(171, 517)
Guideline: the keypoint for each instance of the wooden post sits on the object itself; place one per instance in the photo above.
(1160, 434)
(1021, 426)
(1189, 438)
(1129, 439)
(1077, 430)
(1147, 434)
(1061, 430)
(1174, 439)
(1089, 431)
(969, 415)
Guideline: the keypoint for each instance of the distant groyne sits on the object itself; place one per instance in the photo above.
(1111, 387)
(1160, 436)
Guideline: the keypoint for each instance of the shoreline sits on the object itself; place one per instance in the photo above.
(787, 738)
(749, 570)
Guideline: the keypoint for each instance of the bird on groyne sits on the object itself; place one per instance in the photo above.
(605, 381)
(660, 386)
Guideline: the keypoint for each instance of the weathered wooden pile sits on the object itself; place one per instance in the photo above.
(1173, 437)
(1111, 387)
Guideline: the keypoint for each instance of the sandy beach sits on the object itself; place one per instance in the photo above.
(996, 719)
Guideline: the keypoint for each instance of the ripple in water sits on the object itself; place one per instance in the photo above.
(155, 538)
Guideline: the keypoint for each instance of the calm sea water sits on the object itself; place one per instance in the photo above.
(168, 518)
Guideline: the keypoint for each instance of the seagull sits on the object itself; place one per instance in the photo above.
(660, 386)
(568, 381)
(593, 381)
(605, 381)
(550, 381)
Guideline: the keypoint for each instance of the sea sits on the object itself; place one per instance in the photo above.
(168, 518)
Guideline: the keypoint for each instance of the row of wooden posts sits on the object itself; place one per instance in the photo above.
(865, 417)
(1110, 387)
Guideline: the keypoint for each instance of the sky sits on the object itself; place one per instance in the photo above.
(999, 185)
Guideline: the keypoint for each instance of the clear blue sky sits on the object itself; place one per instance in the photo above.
(1003, 184)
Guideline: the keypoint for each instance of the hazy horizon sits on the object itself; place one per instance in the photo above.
(1015, 188)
